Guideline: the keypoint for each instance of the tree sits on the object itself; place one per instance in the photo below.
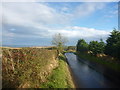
(82, 45)
(59, 40)
(96, 47)
(102, 46)
(113, 44)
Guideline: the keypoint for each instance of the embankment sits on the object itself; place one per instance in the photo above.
(34, 67)
(26, 67)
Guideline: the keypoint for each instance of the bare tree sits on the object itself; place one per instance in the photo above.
(59, 40)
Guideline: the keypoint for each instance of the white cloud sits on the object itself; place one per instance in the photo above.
(37, 14)
(60, 0)
(26, 14)
(32, 14)
(18, 0)
(0, 24)
(70, 32)
(86, 9)
(80, 32)
(113, 12)
(35, 19)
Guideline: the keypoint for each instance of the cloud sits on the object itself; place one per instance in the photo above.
(80, 32)
(25, 14)
(60, 0)
(113, 11)
(86, 9)
(39, 20)
(40, 14)
(70, 32)
(32, 14)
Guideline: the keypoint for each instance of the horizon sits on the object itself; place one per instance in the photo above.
(29, 46)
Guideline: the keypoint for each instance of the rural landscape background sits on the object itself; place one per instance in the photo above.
(60, 45)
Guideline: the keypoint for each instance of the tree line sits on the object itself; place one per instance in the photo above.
(111, 47)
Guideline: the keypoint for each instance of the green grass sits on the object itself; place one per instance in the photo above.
(114, 66)
(60, 77)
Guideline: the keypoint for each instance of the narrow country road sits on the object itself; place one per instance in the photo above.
(86, 77)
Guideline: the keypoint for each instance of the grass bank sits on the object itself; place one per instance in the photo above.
(26, 67)
(60, 77)
(113, 65)
(34, 68)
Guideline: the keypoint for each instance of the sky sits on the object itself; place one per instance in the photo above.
(34, 23)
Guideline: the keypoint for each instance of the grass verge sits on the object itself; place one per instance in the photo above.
(114, 66)
(60, 77)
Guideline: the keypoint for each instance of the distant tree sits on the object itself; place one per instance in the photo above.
(113, 44)
(59, 40)
(97, 47)
(71, 48)
(82, 45)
